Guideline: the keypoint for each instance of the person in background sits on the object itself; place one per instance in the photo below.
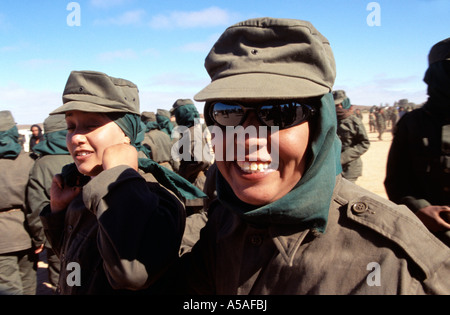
(52, 155)
(194, 163)
(113, 204)
(284, 221)
(353, 135)
(418, 165)
(36, 136)
(158, 142)
(380, 119)
(18, 262)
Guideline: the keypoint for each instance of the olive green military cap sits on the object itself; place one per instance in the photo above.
(439, 52)
(91, 91)
(181, 102)
(163, 112)
(148, 117)
(339, 96)
(55, 123)
(267, 58)
(6, 120)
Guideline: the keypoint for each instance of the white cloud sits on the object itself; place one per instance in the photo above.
(203, 46)
(118, 54)
(213, 16)
(386, 90)
(128, 18)
(105, 4)
(28, 106)
(36, 64)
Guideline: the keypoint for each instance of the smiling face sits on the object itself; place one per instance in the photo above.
(253, 180)
(89, 134)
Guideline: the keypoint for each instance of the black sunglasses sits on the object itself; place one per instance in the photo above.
(282, 114)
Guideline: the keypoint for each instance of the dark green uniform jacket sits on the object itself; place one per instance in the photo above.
(112, 230)
(13, 226)
(38, 191)
(370, 246)
(355, 143)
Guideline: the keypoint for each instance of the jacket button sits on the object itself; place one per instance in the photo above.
(256, 240)
(360, 207)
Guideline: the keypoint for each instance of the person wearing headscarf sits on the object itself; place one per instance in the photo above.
(52, 155)
(353, 136)
(157, 141)
(285, 221)
(193, 163)
(36, 136)
(418, 166)
(115, 217)
(18, 262)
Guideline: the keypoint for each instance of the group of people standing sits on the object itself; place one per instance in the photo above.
(292, 227)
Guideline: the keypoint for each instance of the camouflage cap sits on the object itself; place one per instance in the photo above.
(339, 96)
(91, 91)
(181, 102)
(268, 58)
(439, 52)
(6, 120)
(148, 116)
(55, 123)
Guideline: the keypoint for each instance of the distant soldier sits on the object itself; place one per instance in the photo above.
(159, 142)
(52, 156)
(418, 166)
(372, 121)
(394, 119)
(193, 167)
(380, 122)
(18, 262)
(358, 114)
(352, 133)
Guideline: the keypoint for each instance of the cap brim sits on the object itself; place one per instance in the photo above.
(86, 107)
(260, 86)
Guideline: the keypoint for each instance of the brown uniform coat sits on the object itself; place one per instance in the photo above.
(370, 246)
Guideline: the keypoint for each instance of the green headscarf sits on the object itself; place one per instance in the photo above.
(165, 124)
(54, 143)
(307, 204)
(134, 129)
(9, 143)
(186, 115)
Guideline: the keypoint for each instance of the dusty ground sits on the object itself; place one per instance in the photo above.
(374, 160)
(374, 171)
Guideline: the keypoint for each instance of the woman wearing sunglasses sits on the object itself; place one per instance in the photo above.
(295, 226)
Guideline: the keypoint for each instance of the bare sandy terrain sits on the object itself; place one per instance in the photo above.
(374, 160)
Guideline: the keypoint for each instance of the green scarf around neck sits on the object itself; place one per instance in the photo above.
(308, 203)
(134, 129)
(54, 143)
(9, 143)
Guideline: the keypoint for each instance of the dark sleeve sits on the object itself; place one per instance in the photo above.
(53, 224)
(399, 179)
(140, 226)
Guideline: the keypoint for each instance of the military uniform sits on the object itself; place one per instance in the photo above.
(370, 246)
(107, 236)
(18, 262)
(52, 156)
(353, 136)
(326, 235)
(418, 167)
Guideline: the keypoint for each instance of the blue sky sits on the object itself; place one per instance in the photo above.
(161, 46)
